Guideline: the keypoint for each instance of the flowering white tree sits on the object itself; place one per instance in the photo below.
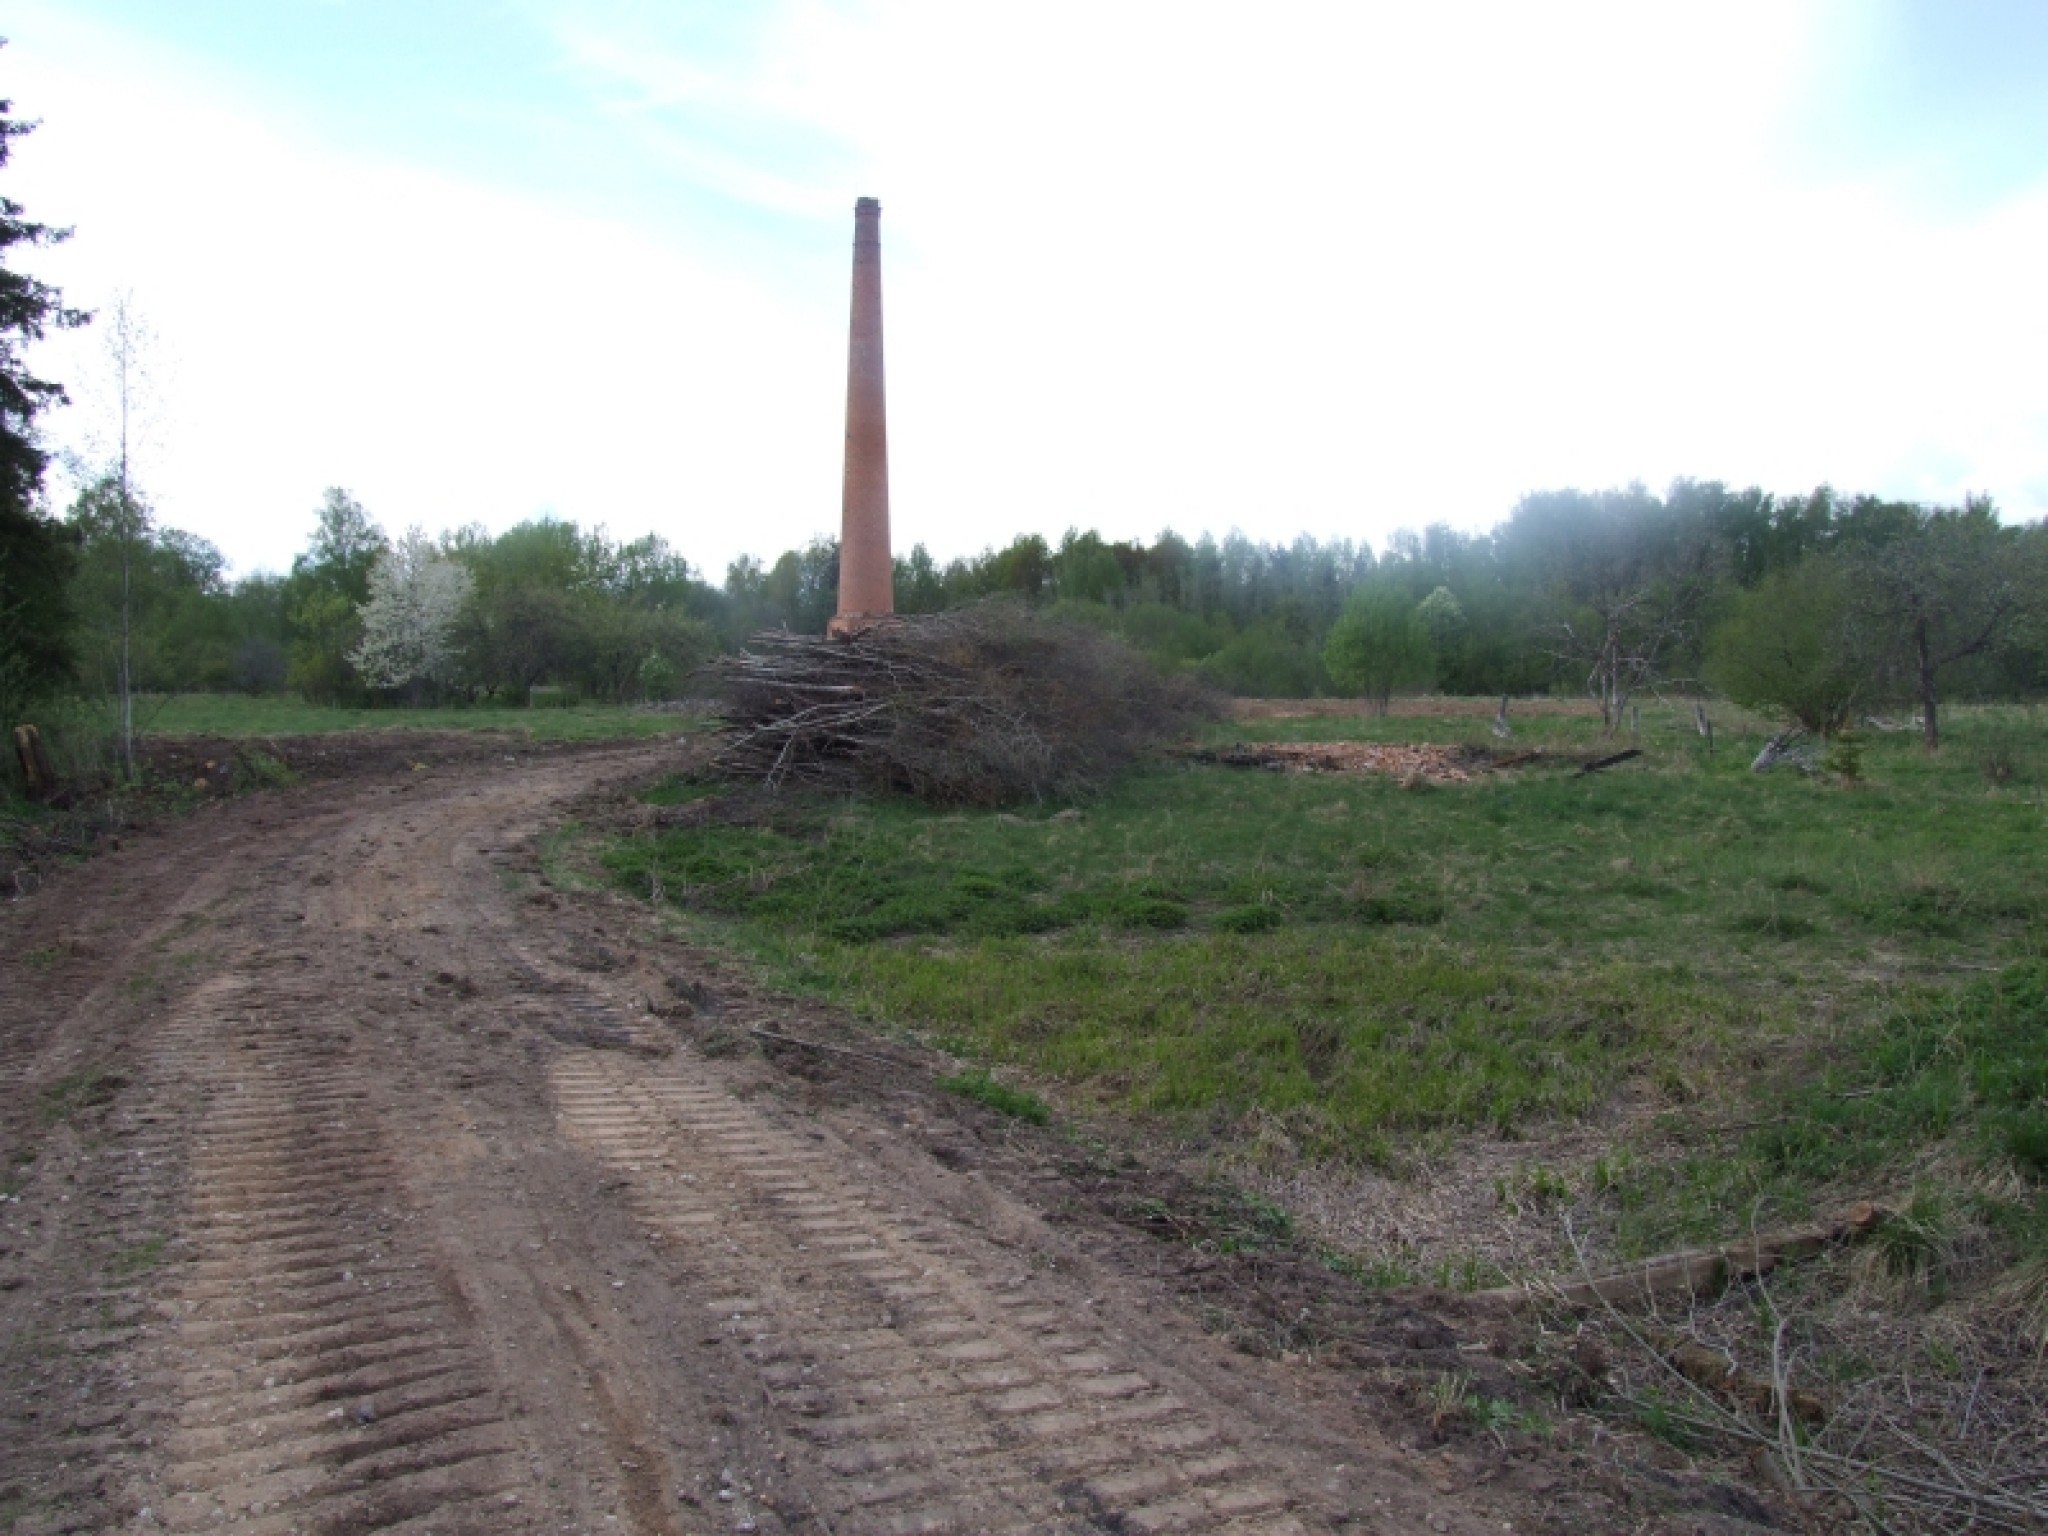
(409, 619)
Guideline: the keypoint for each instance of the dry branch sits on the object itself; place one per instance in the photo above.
(1610, 761)
(1875, 1465)
(981, 706)
(1785, 747)
(1701, 1271)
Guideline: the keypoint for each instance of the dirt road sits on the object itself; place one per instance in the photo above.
(353, 1187)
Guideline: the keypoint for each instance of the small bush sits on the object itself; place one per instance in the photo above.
(1151, 912)
(1251, 919)
(1418, 909)
(1844, 756)
(658, 676)
(553, 696)
(1999, 761)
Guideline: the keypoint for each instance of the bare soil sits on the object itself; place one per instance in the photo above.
(358, 1179)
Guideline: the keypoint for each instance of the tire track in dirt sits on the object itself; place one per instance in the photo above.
(933, 1401)
(70, 1419)
(100, 1162)
(323, 1377)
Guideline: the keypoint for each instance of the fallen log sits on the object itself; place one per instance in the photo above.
(1608, 762)
(1697, 1271)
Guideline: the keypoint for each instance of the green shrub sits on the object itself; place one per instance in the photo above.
(658, 676)
(553, 696)
(1251, 919)
(1795, 646)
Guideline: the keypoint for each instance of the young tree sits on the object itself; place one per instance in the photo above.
(153, 602)
(1444, 617)
(416, 596)
(130, 345)
(1797, 644)
(1378, 644)
(35, 556)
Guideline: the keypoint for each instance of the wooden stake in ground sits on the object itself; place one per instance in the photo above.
(37, 775)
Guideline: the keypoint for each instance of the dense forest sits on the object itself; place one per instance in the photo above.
(1610, 593)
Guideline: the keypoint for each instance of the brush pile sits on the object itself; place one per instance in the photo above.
(987, 705)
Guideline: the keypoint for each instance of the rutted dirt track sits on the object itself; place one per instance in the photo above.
(364, 1200)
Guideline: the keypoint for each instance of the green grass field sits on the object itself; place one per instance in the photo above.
(1379, 969)
(238, 715)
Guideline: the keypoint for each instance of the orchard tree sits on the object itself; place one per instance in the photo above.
(35, 556)
(416, 597)
(1378, 644)
(1629, 579)
(1799, 645)
(1949, 588)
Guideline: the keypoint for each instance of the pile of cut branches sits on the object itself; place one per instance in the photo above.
(986, 705)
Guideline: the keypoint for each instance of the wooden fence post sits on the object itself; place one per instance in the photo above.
(36, 772)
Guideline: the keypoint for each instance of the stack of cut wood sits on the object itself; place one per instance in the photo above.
(981, 706)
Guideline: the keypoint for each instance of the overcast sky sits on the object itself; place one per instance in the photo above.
(1334, 268)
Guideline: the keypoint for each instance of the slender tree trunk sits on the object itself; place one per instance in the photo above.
(125, 672)
(1930, 732)
(126, 347)
(1610, 683)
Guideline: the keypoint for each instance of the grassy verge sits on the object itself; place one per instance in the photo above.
(80, 735)
(237, 715)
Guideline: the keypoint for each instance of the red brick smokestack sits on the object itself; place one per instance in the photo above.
(867, 578)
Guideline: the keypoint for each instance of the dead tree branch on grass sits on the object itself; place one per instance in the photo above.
(1785, 747)
(1861, 1454)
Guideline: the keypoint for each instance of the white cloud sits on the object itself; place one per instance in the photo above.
(1343, 270)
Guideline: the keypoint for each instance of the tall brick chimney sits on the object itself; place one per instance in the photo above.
(867, 583)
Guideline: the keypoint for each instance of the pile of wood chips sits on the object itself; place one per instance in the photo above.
(1437, 763)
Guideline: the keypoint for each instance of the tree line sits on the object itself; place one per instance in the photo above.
(1815, 605)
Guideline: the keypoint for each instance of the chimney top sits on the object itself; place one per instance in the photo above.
(867, 205)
